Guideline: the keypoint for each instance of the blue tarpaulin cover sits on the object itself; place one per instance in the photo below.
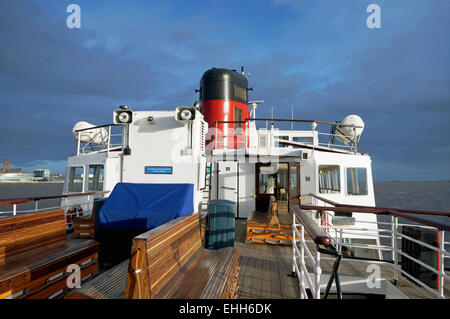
(146, 205)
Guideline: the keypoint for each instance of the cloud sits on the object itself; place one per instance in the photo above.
(315, 56)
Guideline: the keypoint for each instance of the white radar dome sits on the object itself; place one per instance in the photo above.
(347, 134)
(96, 135)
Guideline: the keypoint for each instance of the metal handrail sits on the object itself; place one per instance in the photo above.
(401, 210)
(395, 236)
(29, 199)
(320, 238)
(93, 128)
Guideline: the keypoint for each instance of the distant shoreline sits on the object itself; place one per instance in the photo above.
(32, 182)
(411, 181)
(61, 182)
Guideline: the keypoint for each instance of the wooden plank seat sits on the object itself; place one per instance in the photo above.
(84, 226)
(109, 285)
(170, 262)
(35, 254)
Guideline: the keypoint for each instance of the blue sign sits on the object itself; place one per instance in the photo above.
(158, 169)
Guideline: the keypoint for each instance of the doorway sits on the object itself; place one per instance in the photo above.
(280, 180)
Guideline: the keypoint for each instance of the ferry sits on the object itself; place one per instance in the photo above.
(157, 196)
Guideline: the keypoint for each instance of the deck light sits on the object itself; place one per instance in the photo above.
(185, 114)
(123, 116)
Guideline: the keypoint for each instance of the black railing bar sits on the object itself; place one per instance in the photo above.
(401, 210)
(100, 126)
(304, 121)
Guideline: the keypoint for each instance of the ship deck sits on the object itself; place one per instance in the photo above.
(265, 271)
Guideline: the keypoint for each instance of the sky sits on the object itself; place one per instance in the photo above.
(315, 56)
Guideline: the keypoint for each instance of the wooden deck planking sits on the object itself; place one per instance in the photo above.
(265, 271)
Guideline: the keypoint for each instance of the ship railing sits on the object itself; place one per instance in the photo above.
(64, 204)
(302, 252)
(218, 139)
(391, 234)
(103, 138)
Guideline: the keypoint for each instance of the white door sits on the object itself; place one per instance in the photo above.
(228, 187)
(246, 189)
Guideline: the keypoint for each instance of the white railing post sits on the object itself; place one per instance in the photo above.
(394, 247)
(442, 263)
(302, 258)
(14, 209)
(36, 204)
(293, 243)
(109, 138)
(392, 237)
(78, 143)
(318, 272)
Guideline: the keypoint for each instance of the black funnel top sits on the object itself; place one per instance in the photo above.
(223, 84)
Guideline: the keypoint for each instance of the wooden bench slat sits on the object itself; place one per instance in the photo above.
(34, 246)
(109, 285)
(177, 266)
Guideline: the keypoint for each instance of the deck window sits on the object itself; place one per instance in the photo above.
(329, 179)
(303, 140)
(286, 138)
(262, 140)
(75, 179)
(238, 118)
(95, 182)
(357, 181)
(240, 93)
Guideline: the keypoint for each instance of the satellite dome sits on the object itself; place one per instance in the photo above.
(345, 133)
(95, 136)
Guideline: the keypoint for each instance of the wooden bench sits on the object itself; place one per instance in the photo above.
(169, 262)
(84, 226)
(35, 253)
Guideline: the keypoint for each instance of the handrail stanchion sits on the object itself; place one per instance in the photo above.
(441, 263)
(318, 272)
(395, 253)
(36, 205)
(109, 138)
(78, 143)
(14, 209)
(302, 258)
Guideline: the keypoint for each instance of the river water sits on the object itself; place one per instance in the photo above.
(431, 196)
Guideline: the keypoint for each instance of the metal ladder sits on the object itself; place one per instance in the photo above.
(207, 191)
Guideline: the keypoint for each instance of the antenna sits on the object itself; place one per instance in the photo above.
(292, 118)
(272, 117)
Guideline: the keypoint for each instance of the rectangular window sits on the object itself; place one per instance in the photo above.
(357, 181)
(267, 183)
(329, 179)
(238, 118)
(293, 190)
(75, 180)
(262, 140)
(286, 138)
(240, 93)
(95, 182)
(303, 140)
